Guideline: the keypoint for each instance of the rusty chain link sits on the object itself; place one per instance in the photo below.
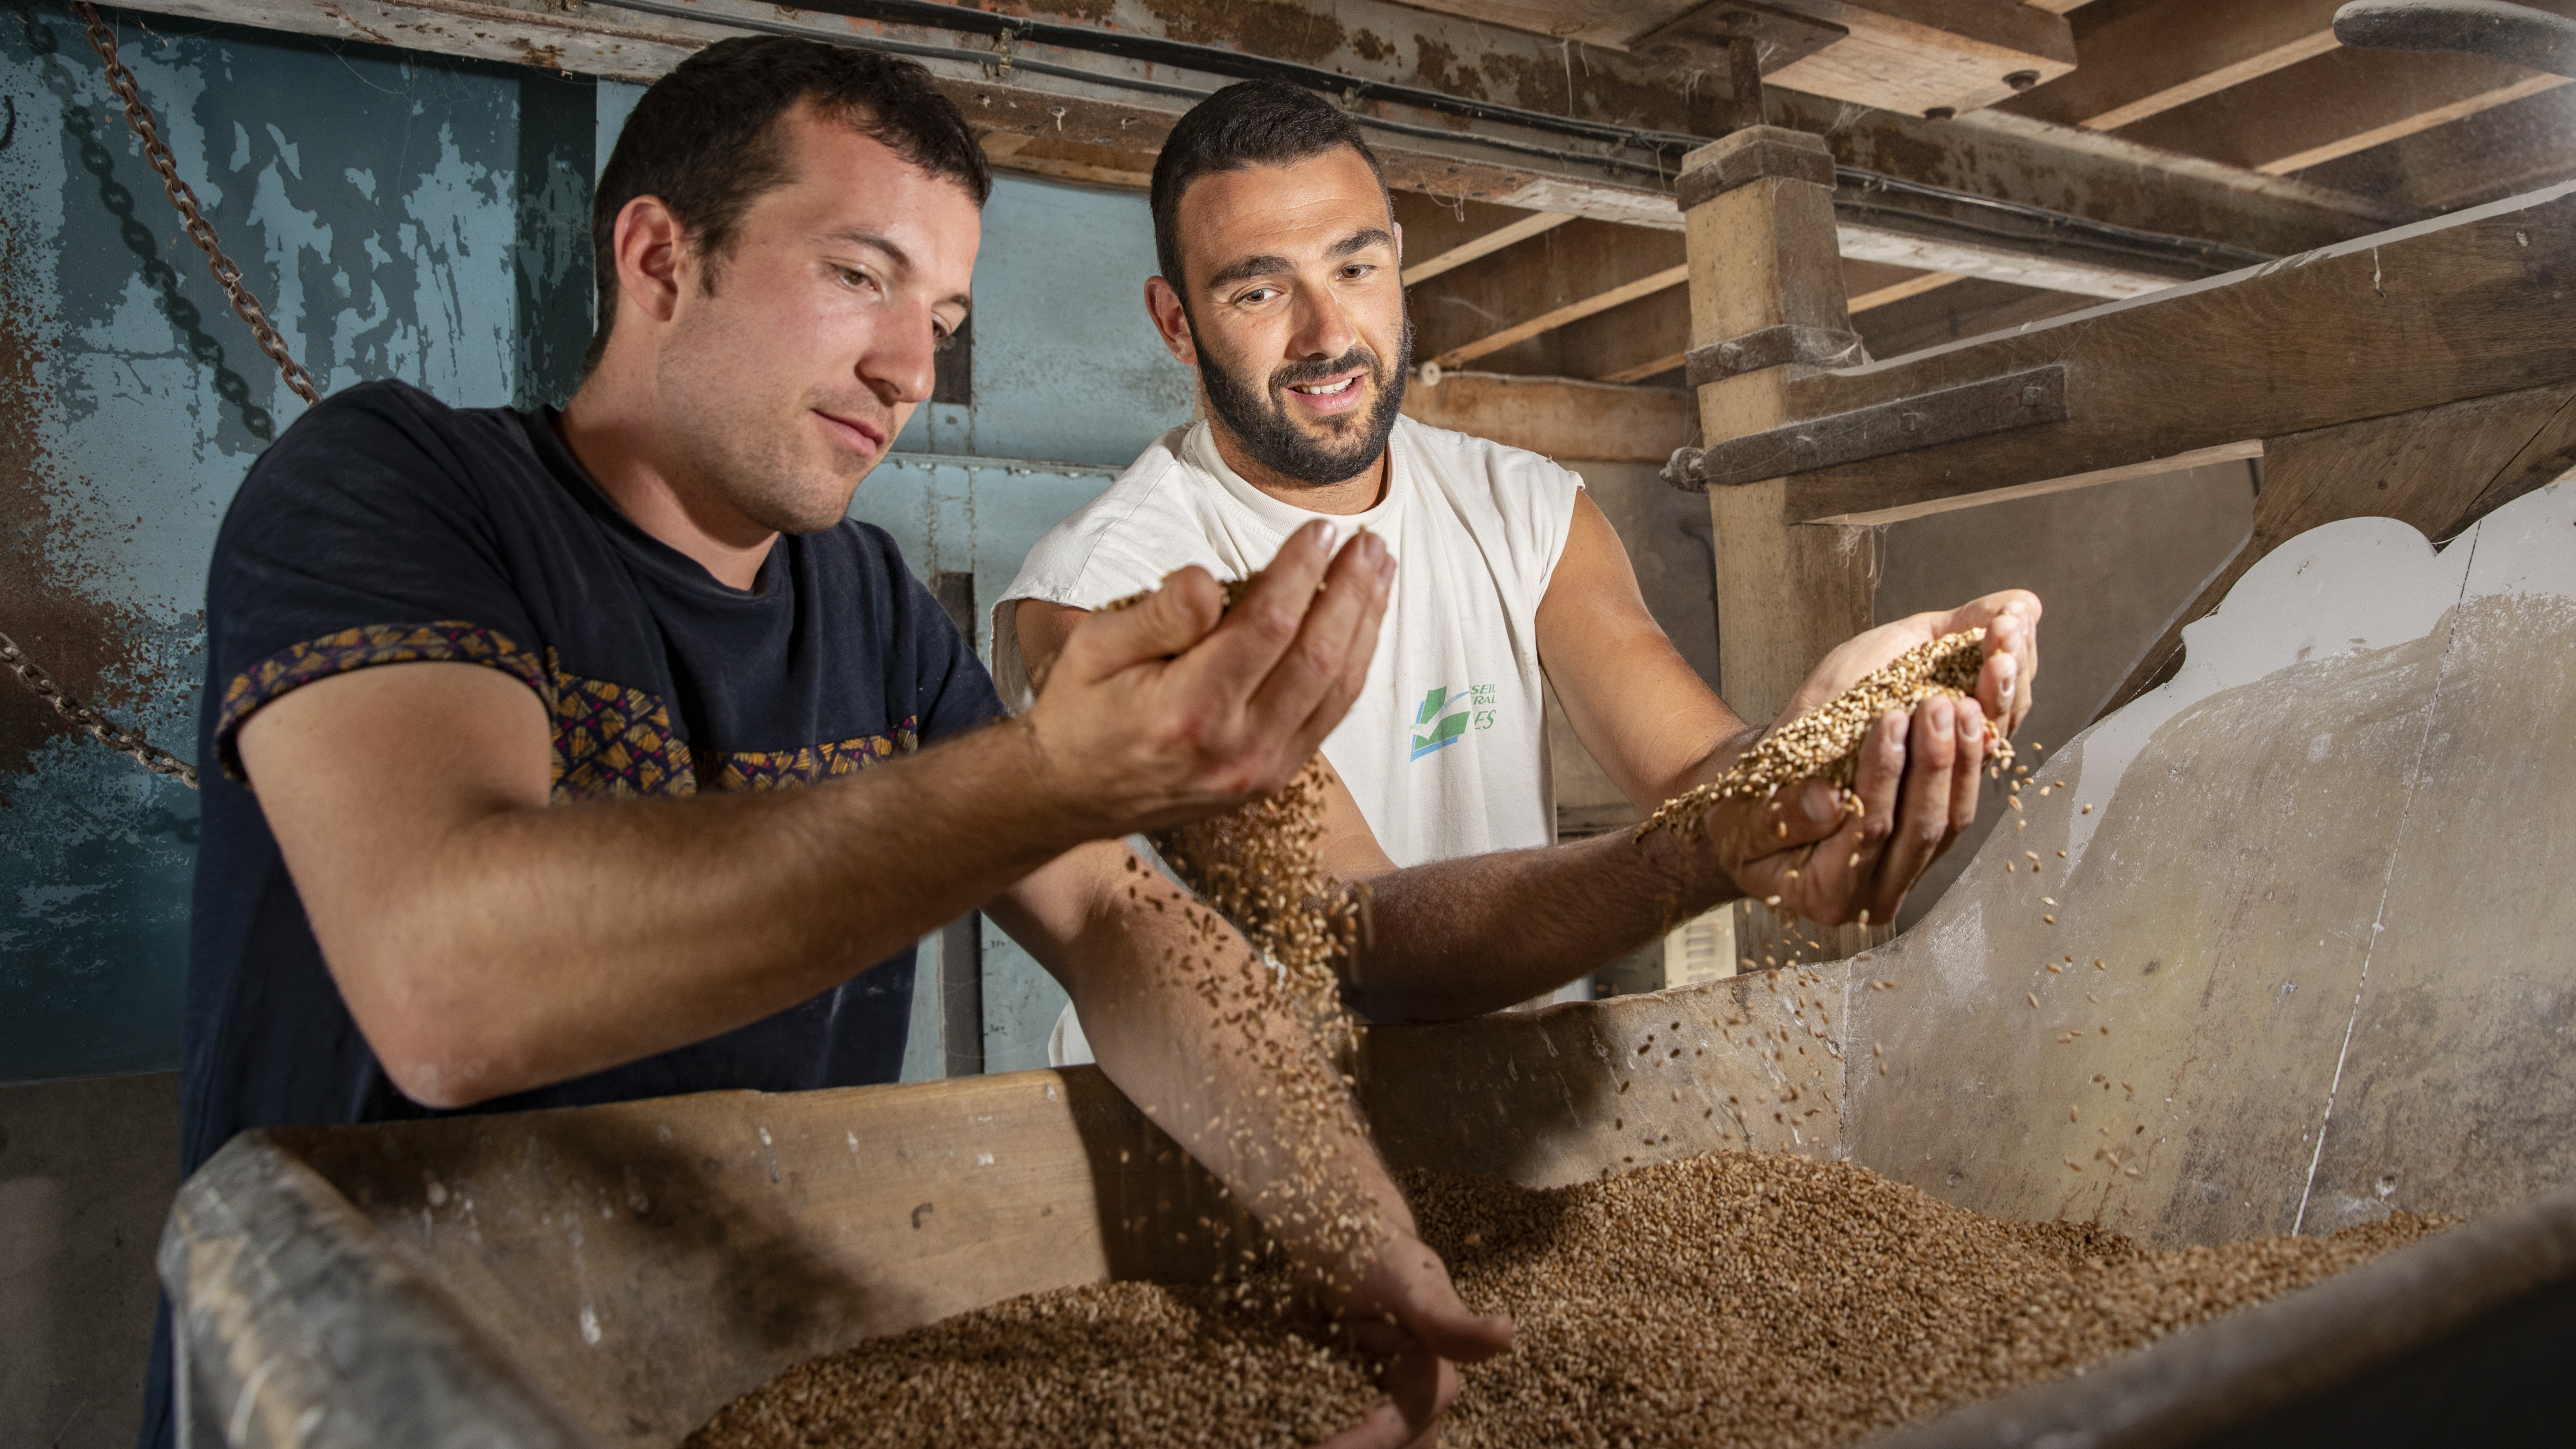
(227, 275)
(124, 741)
(184, 199)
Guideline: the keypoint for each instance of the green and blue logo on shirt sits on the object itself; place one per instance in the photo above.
(1446, 715)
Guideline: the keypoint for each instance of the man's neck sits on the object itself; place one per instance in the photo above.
(615, 445)
(1358, 493)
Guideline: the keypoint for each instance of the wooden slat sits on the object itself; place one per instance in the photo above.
(2465, 306)
(1485, 245)
(1898, 291)
(1497, 304)
(2138, 60)
(2438, 469)
(1556, 317)
(2336, 104)
(2420, 121)
(1560, 417)
(2279, 57)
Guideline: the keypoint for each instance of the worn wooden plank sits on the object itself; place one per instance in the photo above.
(2429, 469)
(2337, 103)
(1444, 233)
(1560, 417)
(2026, 399)
(2139, 60)
(2462, 307)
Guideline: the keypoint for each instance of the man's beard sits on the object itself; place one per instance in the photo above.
(1261, 422)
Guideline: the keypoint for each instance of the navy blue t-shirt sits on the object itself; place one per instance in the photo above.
(386, 527)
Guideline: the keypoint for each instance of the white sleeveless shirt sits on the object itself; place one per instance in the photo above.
(1445, 749)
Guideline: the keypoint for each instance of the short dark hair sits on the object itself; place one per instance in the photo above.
(1252, 123)
(705, 138)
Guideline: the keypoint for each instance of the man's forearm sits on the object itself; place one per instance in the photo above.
(1460, 937)
(1162, 994)
(531, 944)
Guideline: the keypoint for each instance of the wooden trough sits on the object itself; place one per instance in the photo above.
(2320, 871)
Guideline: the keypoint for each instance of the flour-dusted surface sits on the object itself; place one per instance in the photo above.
(1737, 1299)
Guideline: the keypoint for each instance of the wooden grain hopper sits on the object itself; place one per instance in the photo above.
(2320, 871)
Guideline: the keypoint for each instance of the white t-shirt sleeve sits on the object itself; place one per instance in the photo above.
(1122, 543)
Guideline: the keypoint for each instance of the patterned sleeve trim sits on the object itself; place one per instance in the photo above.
(446, 641)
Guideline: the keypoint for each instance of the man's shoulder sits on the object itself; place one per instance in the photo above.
(1466, 456)
(388, 432)
(1157, 504)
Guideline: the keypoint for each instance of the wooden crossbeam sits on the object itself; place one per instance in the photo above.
(1440, 251)
(2143, 60)
(1871, 300)
(1095, 97)
(2409, 125)
(2465, 306)
(1556, 317)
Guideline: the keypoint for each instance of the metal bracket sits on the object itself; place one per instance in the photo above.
(1947, 415)
(1771, 347)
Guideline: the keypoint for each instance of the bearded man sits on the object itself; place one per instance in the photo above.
(1280, 284)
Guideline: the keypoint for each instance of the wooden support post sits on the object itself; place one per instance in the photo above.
(1767, 305)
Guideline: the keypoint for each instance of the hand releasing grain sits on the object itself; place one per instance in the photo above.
(1824, 743)
(1734, 1299)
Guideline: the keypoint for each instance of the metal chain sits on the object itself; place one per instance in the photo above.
(228, 276)
(202, 232)
(124, 741)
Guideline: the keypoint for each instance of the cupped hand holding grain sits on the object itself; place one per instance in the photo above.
(2011, 621)
(1179, 706)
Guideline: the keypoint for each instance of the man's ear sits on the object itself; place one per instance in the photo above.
(1399, 244)
(652, 253)
(1171, 320)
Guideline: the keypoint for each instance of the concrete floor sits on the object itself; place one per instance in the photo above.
(87, 1170)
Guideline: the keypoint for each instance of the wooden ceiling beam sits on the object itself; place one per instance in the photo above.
(1647, 339)
(2522, 146)
(2138, 61)
(1072, 95)
(2337, 104)
(1442, 234)
(1905, 56)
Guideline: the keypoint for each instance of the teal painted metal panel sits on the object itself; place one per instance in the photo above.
(402, 216)
(373, 200)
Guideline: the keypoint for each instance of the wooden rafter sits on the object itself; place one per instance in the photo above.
(1442, 234)
(2142, 60)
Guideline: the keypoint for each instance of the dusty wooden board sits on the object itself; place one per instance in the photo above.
(1130, 104)
(648, 1261)
(645, 1262)
(1559, 417)
(2467, 306)
(2436, 469)
(2299, 842)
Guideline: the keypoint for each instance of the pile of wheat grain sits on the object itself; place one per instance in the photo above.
(1754, 1299)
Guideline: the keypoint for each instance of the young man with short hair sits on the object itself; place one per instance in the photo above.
(597, 755)
(1281, 286)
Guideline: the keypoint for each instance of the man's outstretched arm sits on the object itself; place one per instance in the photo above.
(1182, 1056)
(487, 943)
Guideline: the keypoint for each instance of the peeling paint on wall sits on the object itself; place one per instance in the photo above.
(371, 199)
(400, 216)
